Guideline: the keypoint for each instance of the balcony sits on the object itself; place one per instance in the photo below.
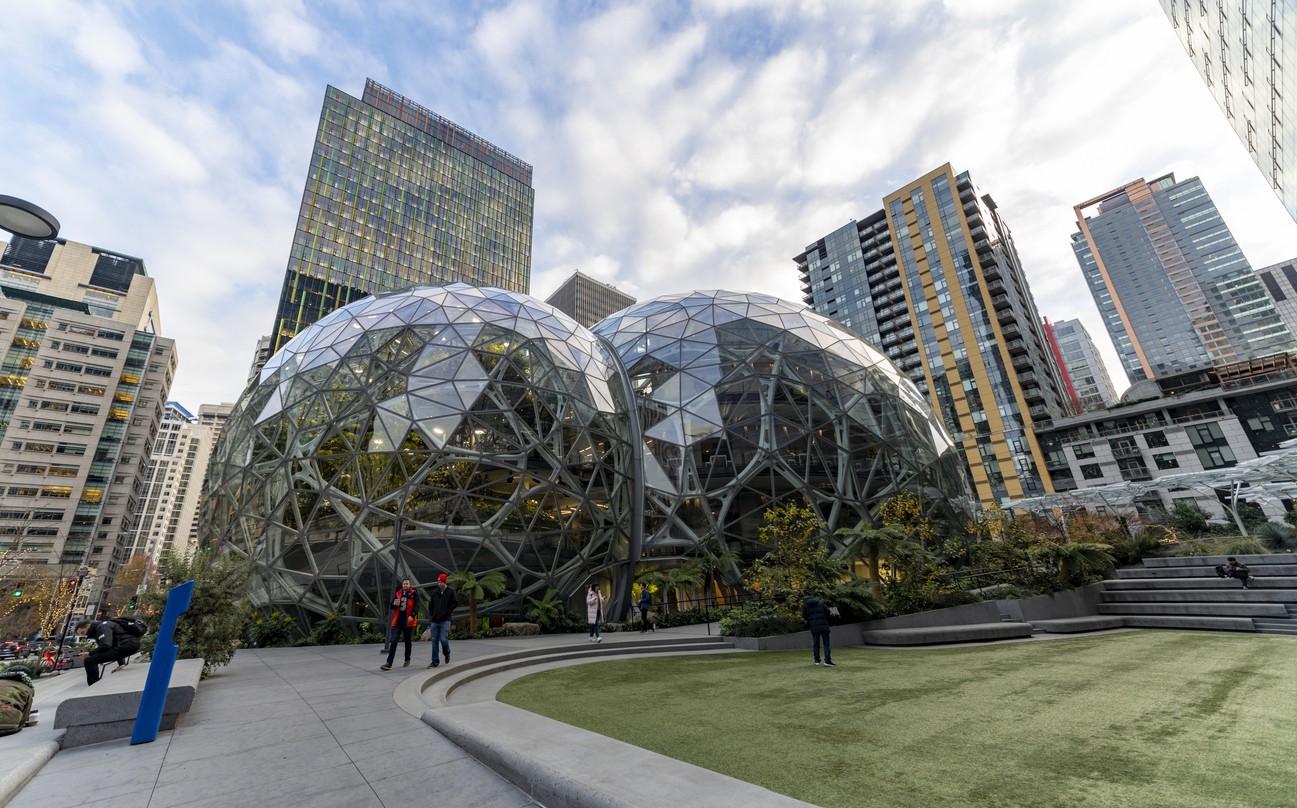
(1284, 404)
(982, 246)
(1054, 465)
(1015, 346)
(1038, 411)
(1022, 361)
(1140, 473)
(1125, 451)
(1027, 377)
(966, 195)
(990, 269)
(1005, 316)
(809, 299)
(1011, 330)
(994, 287)
(1033, 393)
(976, 232)
(1001, 302)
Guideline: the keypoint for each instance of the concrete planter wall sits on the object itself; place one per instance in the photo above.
(848, 634)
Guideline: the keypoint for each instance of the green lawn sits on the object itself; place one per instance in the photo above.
(1138, 719)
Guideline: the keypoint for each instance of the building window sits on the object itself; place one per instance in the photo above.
(1216, 457)
(1156, 440)
(1166, 461)
(1082, 451)
(1092, 471)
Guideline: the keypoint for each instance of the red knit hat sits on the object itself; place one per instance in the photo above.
(441, 577)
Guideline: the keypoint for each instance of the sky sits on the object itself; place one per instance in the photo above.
(675, 145)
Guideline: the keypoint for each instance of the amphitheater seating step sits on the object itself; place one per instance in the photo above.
(928, 635)
(1206, 609)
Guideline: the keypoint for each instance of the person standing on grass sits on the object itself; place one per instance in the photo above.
(816, 614)
(645, 603)
(404, 605)
(441, 604)
(594, 601)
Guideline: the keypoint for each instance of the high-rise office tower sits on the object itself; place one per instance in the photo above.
(934, 280)
(1280, 281)
(1246, 51)
(587, 300)
(397, 195)
(173, 484)
(1174, 289)
(82, 389)
(1083, 370)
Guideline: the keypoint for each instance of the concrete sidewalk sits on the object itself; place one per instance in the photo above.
(285, 727)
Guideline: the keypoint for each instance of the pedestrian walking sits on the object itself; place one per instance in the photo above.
(441, 605)
(594, 601)
(112, 644)
(405, 604)
(816, 614)
(645, 603)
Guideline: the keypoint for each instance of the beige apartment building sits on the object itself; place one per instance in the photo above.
(83, 387)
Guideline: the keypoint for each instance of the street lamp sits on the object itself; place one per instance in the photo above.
(82, 572)
(22, 218)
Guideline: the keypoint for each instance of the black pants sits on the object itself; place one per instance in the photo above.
(396, 636)
(643, 616)
(818, 638)
(103, 656)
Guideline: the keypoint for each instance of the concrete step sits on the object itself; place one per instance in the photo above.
(1120, 584)
(1281, 559)
(1256, 570)
(1281, 632)
(1196, 623)
(1271, 622)
(1236, 595)
(1203, 609)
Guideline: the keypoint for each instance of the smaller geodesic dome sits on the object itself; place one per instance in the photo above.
(747, 401)
(461, 428)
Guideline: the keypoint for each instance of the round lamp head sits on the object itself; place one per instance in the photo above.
(22, 218)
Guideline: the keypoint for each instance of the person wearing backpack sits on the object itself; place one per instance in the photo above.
(115, 641)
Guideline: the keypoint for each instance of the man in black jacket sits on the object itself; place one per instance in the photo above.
(441, 604)
(815, 613)
(112, 644)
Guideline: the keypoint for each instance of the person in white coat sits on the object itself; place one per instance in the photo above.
(594, 601)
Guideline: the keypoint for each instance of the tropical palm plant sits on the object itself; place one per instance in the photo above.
(870, 545)
(545, 611)
(672, 580)
(1075, 554)
(476, 589)
(716, 562)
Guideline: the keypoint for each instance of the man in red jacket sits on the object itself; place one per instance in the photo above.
(404, 606)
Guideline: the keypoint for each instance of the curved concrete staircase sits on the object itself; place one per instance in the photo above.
(475, 680)
(1186, 593)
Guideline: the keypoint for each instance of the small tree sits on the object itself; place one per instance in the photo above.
(799, 565)
(476, 589)
(1074, 556)
(545, 611)
(870, 545)
(1187, 517)
(217, 613)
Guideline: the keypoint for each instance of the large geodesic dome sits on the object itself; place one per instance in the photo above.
(456, 427)
(747, 401)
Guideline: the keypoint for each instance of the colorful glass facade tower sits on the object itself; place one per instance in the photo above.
(1175, 291)
(935, 281)
(1245, 51)
(397, 195)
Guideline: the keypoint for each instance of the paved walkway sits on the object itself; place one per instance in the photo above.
(284, 727)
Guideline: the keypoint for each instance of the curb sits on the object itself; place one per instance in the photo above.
(543, 784)
(12, 781)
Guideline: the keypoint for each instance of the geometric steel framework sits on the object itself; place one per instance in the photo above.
(747, 400)
(454, 428)
(435, 429)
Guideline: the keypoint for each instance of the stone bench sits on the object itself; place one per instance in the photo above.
(1073, 625)
(929, 635)
(106, 712)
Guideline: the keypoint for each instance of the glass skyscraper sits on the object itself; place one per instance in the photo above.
(1245, 51)
(1083, 369)
(1172, 285)
(934, 280)
(397, 195)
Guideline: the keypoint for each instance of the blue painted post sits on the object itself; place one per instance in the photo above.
(149, 718)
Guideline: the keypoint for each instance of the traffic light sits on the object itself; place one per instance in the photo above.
(134, 600)
(18, 588)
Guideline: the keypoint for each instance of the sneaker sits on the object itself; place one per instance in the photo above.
(598, 639)
(385, 667)
(407, 664)
(817, 663)
(433, 665)
(829, 665)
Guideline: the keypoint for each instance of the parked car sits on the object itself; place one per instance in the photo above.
(9, 650)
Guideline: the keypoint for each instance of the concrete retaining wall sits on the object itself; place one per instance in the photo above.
(968, 615)
(848, 634)
(1080, 602)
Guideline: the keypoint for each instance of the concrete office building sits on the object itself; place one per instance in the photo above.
(1172, 285)
(1246, 51)
(1280, 280)
(397, 195)
(174, 480)
(935, 281)
(1084, 372)
(260, 357)
(587, 300)
(1198, 421)
(82, 390)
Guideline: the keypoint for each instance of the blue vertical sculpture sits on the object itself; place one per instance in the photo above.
(149, 718)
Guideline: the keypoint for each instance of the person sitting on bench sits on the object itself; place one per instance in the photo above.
(112, 644)
(1234, 569)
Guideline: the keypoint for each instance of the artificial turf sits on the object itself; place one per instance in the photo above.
(1136, 719)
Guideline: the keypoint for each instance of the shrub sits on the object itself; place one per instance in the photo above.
(1242, 546)
(210, 628)
(266, 630)
(330, 632)
(1187, 517)
(1277, 537)
(1146, 543)
(302, 642)
(758, 620)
